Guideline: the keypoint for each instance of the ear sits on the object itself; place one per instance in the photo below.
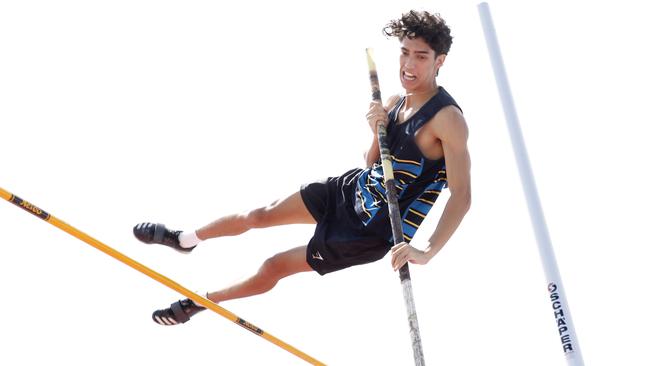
(440, 60)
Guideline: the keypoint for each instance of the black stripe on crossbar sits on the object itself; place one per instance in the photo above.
(249, 326)
(29, 207)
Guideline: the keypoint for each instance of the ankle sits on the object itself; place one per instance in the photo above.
(188, 239)
(207, 296)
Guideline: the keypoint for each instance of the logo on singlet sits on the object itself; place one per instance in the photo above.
(317, 256)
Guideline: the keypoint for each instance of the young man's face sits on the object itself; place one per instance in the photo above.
(418, 65)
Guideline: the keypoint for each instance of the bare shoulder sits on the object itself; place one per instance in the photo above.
(449, 123)
(392, 102)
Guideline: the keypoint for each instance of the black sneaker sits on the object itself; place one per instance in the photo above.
(178, 313)
(150, 233)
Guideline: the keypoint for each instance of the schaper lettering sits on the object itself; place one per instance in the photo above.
(29, 207)
(560, 319)
(249, 326)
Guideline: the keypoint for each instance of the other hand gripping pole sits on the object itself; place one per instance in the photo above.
(395, 217)
(554, 286)
(153, 274)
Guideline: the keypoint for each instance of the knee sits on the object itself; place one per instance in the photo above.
(273, 268)
(259, 217)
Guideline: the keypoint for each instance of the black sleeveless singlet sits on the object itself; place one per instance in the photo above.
(351, 211)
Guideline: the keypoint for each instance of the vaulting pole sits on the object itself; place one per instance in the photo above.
(554, 286)
(395, 217)
(153, 274)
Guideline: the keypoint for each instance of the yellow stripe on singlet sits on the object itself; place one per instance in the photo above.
(411, 223)
(405, 161)
(432, 191)
(425, 201)
(418, 213)
(406, 173)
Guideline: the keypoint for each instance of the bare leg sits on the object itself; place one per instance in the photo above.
(274, 269)
(290, 210)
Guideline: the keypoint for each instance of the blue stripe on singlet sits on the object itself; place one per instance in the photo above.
(413, 172)
(372, 193)
(420, 207)
(406, 170)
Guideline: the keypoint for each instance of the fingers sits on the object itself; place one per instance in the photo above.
(400, 255)
(376, 113)
(403, 253)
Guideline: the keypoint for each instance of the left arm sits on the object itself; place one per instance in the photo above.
(450, 127)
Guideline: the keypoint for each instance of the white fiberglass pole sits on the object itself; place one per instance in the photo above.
(557, 295)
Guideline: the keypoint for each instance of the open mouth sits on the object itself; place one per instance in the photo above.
(408, 76)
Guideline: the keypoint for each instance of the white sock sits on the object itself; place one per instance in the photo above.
(188, 239)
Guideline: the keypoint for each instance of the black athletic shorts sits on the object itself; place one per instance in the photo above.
(340, 239)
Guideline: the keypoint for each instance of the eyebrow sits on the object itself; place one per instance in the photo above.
(416, 51)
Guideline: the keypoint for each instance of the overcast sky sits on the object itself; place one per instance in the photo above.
(113, 113)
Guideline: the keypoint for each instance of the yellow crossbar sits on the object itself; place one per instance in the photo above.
(153, 274)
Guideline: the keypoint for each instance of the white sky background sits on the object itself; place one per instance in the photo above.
(118, 112)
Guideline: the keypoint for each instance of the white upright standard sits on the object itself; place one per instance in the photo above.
(556, 292)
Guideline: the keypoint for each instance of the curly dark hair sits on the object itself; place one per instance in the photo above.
(430, 27)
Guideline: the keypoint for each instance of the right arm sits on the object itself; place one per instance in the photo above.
(377, 113)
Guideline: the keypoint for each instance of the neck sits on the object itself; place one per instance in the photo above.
(416, 98)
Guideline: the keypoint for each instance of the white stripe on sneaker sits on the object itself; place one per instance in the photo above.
(159, 320)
